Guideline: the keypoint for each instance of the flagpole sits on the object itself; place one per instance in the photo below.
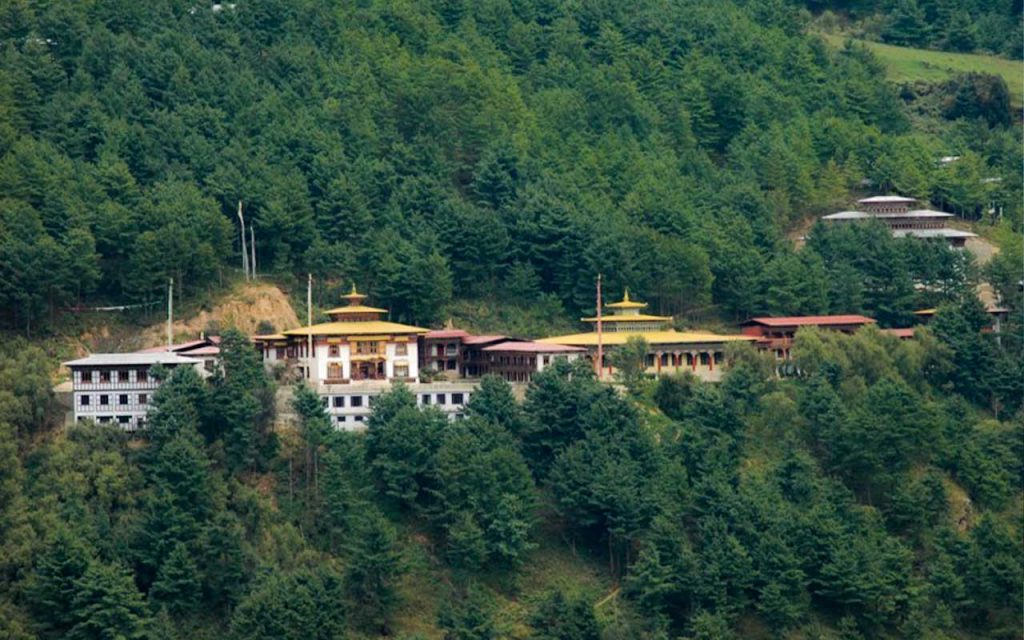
(600, 331)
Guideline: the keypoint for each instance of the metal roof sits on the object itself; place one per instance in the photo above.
(886, 199)
(354, 329)
(589, 339)
(533, 347)
(473, 340)
(446, 333)
(130, 359)
(801, 321)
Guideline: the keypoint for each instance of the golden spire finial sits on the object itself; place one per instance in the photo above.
(353, 292)
(625, 297)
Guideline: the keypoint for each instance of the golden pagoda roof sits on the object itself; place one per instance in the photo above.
(589, 339)
(372, 327)
(356, 308)
(640, 317)
(626, 303)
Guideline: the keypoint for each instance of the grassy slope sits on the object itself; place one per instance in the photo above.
(905, 64)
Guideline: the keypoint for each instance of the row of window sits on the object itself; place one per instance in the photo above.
(355, 402)
(122, 420)
(104, 376)
(336, 372)
(103, 399)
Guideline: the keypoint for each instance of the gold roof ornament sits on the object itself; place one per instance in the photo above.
(626, 303)
(354, 297)
(355, 306)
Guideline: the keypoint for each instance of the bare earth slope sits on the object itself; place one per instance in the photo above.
(244, 309)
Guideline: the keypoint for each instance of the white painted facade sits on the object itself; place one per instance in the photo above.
(118, 388)
(349, 405)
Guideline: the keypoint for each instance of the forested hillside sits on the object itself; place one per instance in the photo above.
(463, 150)
(876, 496)
(992, 26)
(448, 154)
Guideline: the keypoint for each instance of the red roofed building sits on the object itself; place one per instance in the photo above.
(441, 351)
(518, 361)
(777, 333)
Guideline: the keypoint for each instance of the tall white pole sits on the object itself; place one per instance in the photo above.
(170, 313)
(252, 248)
(245, 251)
(309, 323)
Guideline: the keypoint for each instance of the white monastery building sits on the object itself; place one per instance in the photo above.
(118, 387)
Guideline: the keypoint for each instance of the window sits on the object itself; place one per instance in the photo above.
(85, 401)
(122, 399)
(341, 419)
(339, 401)
(104, 400)
(451, 365)
(718, 357)
(457, 398)
(357, 401)
(124, 419)
(279, 353)
(104, 419)
(104, 376)
(143, 398)
(368, 348)
(704, 357)
(441, 399)
(401, 371)
(123, 376)
(334, 371)
(334, 351)
(360, 418)
(141, 375)
(546, 360)
(401, 349)
(425, 398)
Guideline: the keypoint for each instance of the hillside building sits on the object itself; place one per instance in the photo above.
(896, 213)
(118, 387)
(355, 357)
(670, 351)
(455, 354)
(776, 334)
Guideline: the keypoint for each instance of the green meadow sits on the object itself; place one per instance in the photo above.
(905, 64)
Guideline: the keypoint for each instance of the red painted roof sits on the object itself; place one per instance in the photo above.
(533, 347)
(485, 339)
(446, 333)
(800, 321)
(209, 350)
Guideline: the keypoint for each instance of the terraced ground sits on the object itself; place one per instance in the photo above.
(905, 64)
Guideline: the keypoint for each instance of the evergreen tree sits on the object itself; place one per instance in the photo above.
(106, 604)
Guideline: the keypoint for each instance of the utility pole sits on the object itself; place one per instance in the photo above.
(170, 313)
(309, 323)
(600, 331)
(252, 248)
(245, 251)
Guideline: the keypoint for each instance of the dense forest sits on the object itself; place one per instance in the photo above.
(990, 26)
(452, 150)
(877, 495)
(504, 152)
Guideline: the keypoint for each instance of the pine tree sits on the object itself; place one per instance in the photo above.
(374, 567)
(178, 582)
(106, 604)
(906, 25)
